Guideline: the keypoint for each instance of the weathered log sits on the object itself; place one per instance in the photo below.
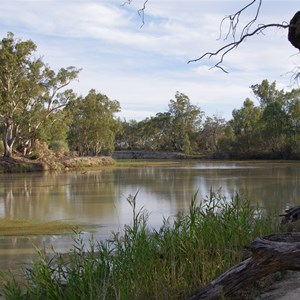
(270, 254)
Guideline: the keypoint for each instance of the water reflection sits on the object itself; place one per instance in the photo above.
(99, 197)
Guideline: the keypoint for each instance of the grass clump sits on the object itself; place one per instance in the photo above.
(169, 263)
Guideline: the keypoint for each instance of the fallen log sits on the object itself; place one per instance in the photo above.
(270, 254)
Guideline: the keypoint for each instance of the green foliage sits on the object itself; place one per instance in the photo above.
(269, 130)
(30, 92)
(184, 254)
(175, 130)
(213, 132)
(267, 93)
(1, 147)
(186, 120)
(186, 145)
(35, 105)
(94, 126)
(59, 147)
(246, 126)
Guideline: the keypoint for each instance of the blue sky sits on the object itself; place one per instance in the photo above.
(143, 67)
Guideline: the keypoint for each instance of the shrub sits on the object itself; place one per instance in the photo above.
(60, 148)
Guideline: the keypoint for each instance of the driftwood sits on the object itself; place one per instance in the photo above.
(270, 254)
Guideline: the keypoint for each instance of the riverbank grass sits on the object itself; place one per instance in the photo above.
(184, 254)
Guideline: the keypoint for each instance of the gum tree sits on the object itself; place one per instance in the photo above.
(29, 91)
(186, 121)
(246, 126)
(94, 125)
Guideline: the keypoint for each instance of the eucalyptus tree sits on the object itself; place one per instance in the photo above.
(149, 134)
(29, 91)
(212, 133)
(267, 93)
(275, 127)
(174, 130)
(293, 110)
(280, 117)
(94, 126)
(129, 136)
(185, 122)
(161, 131)
(246, 126)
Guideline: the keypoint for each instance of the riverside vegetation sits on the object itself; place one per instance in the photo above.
(43, 120)
(171, 262)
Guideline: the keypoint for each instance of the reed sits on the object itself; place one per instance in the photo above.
(169, 263)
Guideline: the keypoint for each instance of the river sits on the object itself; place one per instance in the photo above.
(98, 198)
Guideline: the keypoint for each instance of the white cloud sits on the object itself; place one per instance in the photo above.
(143, 67)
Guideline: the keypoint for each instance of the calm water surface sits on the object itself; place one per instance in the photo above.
(98, 198)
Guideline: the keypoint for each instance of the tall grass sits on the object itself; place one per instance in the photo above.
(169, 263)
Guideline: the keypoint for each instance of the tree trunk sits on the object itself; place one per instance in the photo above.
(8, 139)
(270, 254)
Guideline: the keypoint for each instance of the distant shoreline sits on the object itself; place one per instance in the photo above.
(69, 163)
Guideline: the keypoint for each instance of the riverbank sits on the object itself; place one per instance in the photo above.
(132, 154)
(23, 165)
(69, 163)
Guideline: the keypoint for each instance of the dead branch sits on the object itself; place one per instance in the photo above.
(141, 11)
(227, 48)
(234, 20)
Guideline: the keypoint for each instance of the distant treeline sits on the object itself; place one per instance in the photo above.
(270, 130)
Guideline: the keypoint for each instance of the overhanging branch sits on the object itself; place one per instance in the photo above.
(141, 11)
(234, 20)
(227, 48)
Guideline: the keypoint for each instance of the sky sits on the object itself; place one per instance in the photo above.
(143, 65)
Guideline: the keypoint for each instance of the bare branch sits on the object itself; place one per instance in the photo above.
(227, 48)
(234, 20)
(141, 11)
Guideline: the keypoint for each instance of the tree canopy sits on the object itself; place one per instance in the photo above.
(94, 127)
(29, 91)
(270, 129)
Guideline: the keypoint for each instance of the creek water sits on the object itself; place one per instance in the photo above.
(97, 199)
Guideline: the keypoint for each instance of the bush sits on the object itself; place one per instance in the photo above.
(60, 148)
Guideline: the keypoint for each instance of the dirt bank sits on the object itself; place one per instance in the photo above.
(23, 165)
